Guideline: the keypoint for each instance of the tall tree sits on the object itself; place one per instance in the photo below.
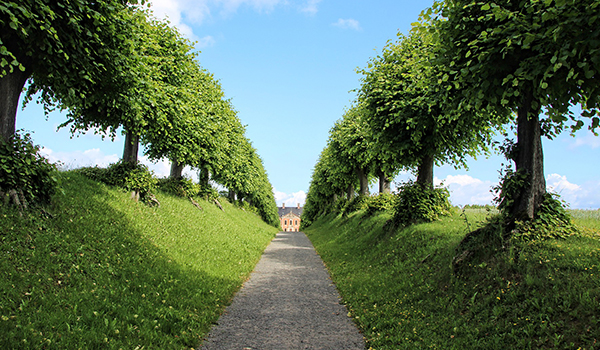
(407, 108)
(61, 45)
(349, 139)
(525, 57)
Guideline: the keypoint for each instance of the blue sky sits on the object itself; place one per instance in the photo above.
(289, 67)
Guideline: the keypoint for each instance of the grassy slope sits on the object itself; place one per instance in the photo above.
(402, 292)
(105, 272)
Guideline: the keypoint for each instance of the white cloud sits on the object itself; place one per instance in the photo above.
(206, 41)
(347, 24)
(78, 159)
(583, 196)
(290, 199)
(588, 140)
(310, 7)
(465, 189)
(558, 183)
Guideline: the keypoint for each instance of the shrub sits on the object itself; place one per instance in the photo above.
(380, 202)
(551, 219)
(25, 175)
(181, 187)
(355, 204)
(416, 203)
(131, 177)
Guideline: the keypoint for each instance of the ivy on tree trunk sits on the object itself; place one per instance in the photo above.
(529, 160)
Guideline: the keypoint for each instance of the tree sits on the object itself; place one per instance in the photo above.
(524, 57)
(349, 139)
(407, 107)
(61, 45)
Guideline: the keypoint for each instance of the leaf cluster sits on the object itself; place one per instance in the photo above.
(416, 203)
(25, 170)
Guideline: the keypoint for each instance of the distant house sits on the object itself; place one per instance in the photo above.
(290, 218)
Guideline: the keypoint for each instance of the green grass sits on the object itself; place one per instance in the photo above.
(104, 272)
(401, 289)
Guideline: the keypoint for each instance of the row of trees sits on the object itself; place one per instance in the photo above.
(467, 70)
(110, 64)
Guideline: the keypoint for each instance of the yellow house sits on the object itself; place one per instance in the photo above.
(289, 218)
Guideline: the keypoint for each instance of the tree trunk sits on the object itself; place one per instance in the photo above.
(203, 177)
(176, 170)
(425, 171)
(232, 195)
(350, 192)
(529, 160)
(130, 151)
(385, 183)
(11, 86)
(364, 182)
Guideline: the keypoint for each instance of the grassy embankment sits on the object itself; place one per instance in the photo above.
(104, 272)
(402, 292)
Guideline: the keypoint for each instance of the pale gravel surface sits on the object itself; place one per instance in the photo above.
(289, 302)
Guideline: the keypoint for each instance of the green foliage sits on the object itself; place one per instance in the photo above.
(25, 170)
(209, 193)
(181, 187)
(551, 221)
(131, 177)
(380, 202)
(400, 289)
(357, 203)
(511, 185)
(417, 203)
(100, 273)
(141, 180)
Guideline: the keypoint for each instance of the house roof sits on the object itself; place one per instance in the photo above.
(287, 210)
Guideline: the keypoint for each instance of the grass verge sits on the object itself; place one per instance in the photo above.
(99, 271)
(402, 292)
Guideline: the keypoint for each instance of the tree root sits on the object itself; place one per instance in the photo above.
(218, 204)
(17, 198)
(195, 203)
(152, 201)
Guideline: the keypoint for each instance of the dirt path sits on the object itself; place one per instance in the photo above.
(288, 303)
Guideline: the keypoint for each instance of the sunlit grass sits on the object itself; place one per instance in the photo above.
(403, 293)
(102, 271)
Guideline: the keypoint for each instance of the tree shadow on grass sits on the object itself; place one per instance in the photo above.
(88, 277)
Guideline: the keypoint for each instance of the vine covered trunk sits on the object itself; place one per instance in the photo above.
(130, 151)
(11, 86)
(530, 161)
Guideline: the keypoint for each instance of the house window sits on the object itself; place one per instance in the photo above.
(285, 222)
(296, 222)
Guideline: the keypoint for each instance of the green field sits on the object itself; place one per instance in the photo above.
(401, 289)
(99, 271)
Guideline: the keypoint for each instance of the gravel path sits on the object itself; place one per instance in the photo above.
(288, 303)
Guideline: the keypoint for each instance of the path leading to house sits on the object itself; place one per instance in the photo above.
(288, 303)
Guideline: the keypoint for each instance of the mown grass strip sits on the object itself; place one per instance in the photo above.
(403, 293)
(98, 270)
